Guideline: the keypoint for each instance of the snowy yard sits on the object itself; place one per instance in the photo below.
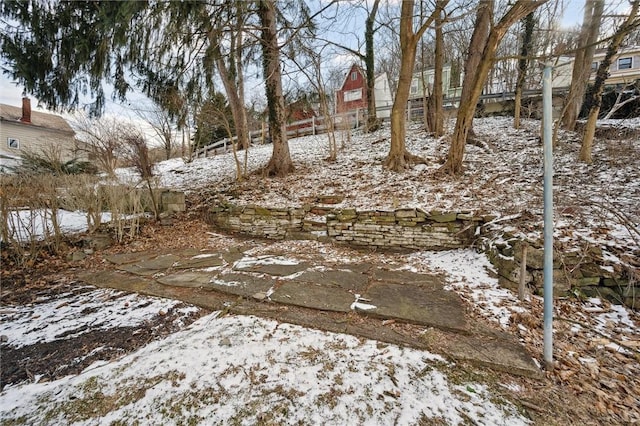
(210, 368)
(245, 370)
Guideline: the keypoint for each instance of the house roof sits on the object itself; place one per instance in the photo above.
(354, 67)
(625, 50)
(13, 114)
(358, 68)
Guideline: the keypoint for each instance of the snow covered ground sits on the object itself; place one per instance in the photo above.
(247, 370)
(503, 177)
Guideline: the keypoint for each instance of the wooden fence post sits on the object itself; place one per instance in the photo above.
(522, 285)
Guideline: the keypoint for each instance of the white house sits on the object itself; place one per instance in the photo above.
(23, 130)
(624, 68)
(422, 83)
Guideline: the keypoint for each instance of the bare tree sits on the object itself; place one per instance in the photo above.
(137, 152)
(523, 65)
(619, 103)
(593, 10)
(435, 115)
(482, 49)
(312, 70)
(595, 97)
(163, 126)
(368, 57)
(399, 158)
(229, 33)
(102, 139)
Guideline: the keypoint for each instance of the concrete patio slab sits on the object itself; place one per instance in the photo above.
(188, 279)
(242, 285)
(344, 279)
(314, 296)
(414, 304)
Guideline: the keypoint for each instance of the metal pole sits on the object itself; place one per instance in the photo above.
(547, 114)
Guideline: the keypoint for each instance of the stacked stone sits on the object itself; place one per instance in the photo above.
(401, 228)
(582, 273)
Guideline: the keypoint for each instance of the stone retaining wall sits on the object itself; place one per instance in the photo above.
(401, 228)
(581, 273)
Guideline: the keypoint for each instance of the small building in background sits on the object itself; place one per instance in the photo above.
(624, 68)
(25, 131)
(422, 84)
(352, 95)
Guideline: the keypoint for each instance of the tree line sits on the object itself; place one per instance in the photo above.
(182, 55)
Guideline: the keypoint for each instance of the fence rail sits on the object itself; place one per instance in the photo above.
(306, 127)
(350, 120)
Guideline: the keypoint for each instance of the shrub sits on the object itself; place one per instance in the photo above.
(33, 163)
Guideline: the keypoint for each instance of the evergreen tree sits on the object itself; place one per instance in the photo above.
(213, 121)
(59, 51)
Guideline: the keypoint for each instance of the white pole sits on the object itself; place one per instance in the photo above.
(547, 113)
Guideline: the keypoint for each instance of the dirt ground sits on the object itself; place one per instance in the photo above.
(571, 393)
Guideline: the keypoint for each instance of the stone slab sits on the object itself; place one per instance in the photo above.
(346, 280)
(407, 277)
(271, 266)
(362, 268)
(242, 285)
(124, 258)
(164, 261)
(187, 279)
(315, 296)
(138, 270)
(151, 266)
(480, 347)
(433, 307)
(232, 256)
(484, 348)
(200, 261)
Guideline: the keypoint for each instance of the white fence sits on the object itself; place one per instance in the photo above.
(354, 120)
(310, 126)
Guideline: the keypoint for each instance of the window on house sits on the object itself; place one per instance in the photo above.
(414, 89)
(354, 76)
(594, 65)
(13, 143)
(625, 63)
(353, 95)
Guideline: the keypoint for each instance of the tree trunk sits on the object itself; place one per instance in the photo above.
(436, 111)
(230, 72)
(595, 98)
(242, 123)
(589, 133)
(471, 87)
(475, 54)
(523, 64)
(280, 163)
(582, 62)
(235, 103)
(369, 61)
(475, 77)
(399, 159)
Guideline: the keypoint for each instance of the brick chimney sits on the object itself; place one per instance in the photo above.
(26, 110)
